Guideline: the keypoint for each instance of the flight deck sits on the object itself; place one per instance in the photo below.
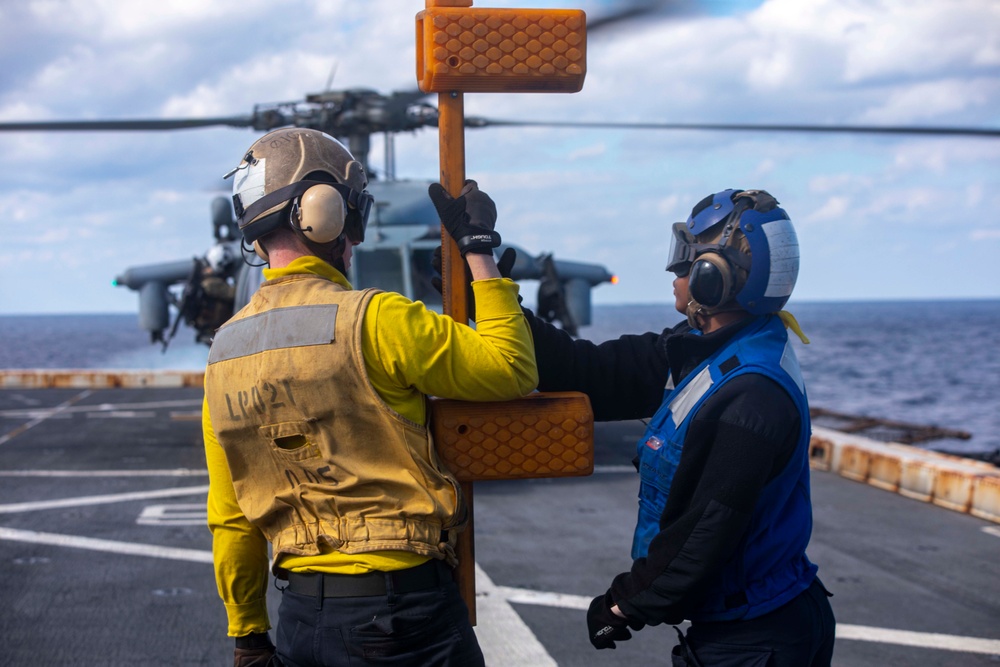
(108, 559)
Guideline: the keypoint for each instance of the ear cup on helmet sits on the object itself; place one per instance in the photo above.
(321, 214)
(711, 280)
(259, 249)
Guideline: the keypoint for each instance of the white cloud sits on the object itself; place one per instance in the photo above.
(835, 208)
(906, 38)
(947, 248)
(27, 256)
(52, 236)
(167, 196)
(911, 207)
(837, 182)
(113, 20)
(591, 151)
(974, 194)
(770, 70)
(17, 110)
(932, 99)
(132, 198)
(669, 205)
(765, 167)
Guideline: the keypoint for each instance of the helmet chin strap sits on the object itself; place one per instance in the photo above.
(698, 314)
(338, 264)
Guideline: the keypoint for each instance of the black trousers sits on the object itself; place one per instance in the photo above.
(426, 627)
(799, 634)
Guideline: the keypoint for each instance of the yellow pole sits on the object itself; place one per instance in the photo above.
(451, 130)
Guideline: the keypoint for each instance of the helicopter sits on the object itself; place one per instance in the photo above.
(404, 228)
(403, 231)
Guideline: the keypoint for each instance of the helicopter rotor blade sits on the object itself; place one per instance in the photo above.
(634, 9)
(404, 98)
(130, 124)
(398, 105)
(743, 127)
(360, 112)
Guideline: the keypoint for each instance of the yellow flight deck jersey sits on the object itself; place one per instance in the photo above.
(409, 353)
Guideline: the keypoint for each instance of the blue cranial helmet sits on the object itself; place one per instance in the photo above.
(758, 274)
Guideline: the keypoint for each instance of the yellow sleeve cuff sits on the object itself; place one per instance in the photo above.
(496, 296)
(248, 617)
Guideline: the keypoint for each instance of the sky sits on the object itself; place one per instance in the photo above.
(877, 217)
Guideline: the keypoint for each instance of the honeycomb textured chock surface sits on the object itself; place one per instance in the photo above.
(501, 50)
(541, 435)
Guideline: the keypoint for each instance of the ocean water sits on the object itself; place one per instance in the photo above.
(924, 362)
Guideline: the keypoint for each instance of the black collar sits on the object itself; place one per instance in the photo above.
(687, 349)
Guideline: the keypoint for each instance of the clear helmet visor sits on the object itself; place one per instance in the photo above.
(682, 250)
(357, 219)
(359, 206)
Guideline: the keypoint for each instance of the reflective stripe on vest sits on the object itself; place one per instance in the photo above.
(275, 329)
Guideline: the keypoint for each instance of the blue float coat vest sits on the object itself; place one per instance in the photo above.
(770, 566)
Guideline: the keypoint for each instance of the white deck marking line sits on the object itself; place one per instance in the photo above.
(504, 637)
(101, 407)
(844, 631)
(929, 640)
(62, 407)
(109, 546)
(174, 514)
(13, 508)
(176, 472)
(919, 639)
(604, 470)
(544, 598)
(122, 414)
(992, 530)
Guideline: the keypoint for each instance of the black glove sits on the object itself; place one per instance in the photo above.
(506, 263)
(254, 650)
(605, 626)
(469, 219)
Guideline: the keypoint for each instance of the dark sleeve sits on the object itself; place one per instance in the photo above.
(740, 440)
(624, 378)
